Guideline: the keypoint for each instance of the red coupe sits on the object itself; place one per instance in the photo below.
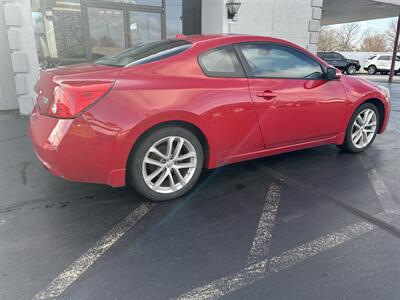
(155, 115)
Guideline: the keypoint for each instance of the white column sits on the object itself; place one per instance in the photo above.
(8, 94)
(295, 20)
(22, 52)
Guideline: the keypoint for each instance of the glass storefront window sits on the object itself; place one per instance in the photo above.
(107, 34)
(58, 31)
(173, 13)
(144, 27)
(73, 31)
(139, 2)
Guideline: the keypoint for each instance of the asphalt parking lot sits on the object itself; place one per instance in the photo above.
(313, 224)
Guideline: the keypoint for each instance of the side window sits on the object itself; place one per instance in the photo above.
(384, 57)
(221, 62)
(277, 61)
(337, 56)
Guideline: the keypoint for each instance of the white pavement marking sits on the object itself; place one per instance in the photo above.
(77, 268)
(262, 240)
(384, 196)
(260, 270)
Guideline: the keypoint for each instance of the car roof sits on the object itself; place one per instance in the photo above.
(209, 41)
(229, 38)
(328, 52)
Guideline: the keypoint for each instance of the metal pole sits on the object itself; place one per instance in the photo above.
(395, 46)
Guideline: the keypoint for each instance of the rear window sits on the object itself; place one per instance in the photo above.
(145, 53)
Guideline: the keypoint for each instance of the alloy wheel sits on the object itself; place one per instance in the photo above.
(371, 70)
(364, 128)
(351, 70)
(169, 164)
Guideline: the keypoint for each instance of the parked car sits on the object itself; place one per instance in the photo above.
(154, 116)
(381, 63)
(350, 66)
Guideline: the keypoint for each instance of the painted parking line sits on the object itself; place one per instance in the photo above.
(78, 267)
(259, 270)
(377, 182)
(262, 240)
(377, 220)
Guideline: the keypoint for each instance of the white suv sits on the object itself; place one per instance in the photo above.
(381, 63)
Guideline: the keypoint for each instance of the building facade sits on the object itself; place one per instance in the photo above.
(38, 34)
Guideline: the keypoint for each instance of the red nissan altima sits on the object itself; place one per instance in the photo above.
(155, 115)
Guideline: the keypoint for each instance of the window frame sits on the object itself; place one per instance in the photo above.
(249, 73)
(240, 73)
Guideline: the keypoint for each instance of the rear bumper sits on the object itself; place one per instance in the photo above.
(73, 149)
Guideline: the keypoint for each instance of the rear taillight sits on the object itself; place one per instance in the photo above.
(72, 98)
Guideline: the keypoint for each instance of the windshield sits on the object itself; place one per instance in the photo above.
(145, 53)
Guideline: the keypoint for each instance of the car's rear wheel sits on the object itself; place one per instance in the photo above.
(166, 163)
(371, 70)
(362, 129)
(351, 69)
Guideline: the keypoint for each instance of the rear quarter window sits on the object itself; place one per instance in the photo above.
(221, 62)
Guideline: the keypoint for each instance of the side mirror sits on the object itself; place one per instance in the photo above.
(333, 73)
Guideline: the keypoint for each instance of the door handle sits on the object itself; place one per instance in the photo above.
(266, 94)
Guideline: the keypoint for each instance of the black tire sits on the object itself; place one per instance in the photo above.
(351, 69)
(141, 148)
(348, 145)
(371, 70)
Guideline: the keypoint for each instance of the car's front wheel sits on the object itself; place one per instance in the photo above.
(362, 129)
(166, 163)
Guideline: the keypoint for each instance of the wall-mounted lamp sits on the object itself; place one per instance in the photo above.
(232, 7)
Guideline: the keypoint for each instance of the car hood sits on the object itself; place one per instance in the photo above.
(359, 87)
(354, 61)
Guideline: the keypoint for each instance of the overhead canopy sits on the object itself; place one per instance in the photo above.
(345, 11)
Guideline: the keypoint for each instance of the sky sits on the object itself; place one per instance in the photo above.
(378, 26)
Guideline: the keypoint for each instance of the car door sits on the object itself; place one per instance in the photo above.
(293, 100)
(383, 62)
(338, 61)
(222, 98)
(329, 58)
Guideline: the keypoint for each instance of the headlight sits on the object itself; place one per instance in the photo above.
(385, 91)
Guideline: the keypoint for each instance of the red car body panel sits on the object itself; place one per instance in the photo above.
(236, 124)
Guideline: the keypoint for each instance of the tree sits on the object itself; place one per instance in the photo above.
(376, 42)
(327, 40)
(348, 37)
(339, 38)
(391, 34)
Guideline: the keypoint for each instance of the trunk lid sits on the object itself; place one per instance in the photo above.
(51, 78)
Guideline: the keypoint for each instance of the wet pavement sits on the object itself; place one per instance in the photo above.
(312, 224)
